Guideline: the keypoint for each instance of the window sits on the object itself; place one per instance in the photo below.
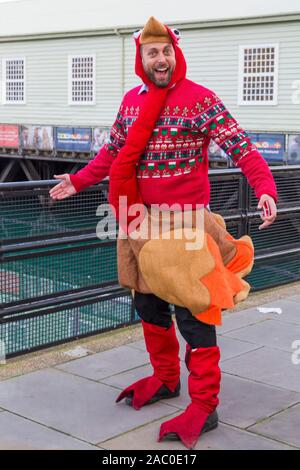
(258, 71)
(13, 72)
(82, 79)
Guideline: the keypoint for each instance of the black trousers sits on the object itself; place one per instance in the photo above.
(154, 310)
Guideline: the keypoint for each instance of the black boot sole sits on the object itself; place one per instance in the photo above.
(211, 423)
(162, 394)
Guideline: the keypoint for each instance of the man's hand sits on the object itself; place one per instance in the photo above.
(63, 189)
(269, 213)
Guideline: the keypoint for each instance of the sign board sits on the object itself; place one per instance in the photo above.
(9, 136)
(37, 137)
(73, 139)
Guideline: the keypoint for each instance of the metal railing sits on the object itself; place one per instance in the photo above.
(277, 259)
(59, 282)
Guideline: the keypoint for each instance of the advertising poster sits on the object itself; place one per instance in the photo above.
(270, 146)
(73, 139)
(37, 138)
(100, 137)
(9, 136)
(294, 149)
(215, 153)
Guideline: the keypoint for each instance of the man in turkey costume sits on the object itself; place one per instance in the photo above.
(158, 154)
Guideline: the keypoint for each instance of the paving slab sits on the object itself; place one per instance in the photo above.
(106, 363)
(290, 310)
(231, 347)
(140, 345)
(74, 405)
(223, 438)
(270, 333)
(266, 365)
(294, 298)
(236, 320)
(244, 402)
(283, 426)
(17, 433)
(127, 378)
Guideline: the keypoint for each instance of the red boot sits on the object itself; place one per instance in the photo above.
(204, 386)
(163, 348)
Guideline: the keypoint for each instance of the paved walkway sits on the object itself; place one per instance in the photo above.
(71, 405)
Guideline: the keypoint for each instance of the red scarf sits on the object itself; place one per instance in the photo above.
(122, 176)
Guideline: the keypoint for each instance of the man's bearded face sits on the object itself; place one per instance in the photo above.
(159, 62)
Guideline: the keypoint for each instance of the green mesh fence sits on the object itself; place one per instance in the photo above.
(274, 271)
(49, 271)
(66, 324)
(50, 252)
(32, 215)
(281, 235)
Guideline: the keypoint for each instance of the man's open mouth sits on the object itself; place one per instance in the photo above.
(161, 73)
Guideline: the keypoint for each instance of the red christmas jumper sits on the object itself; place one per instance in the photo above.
(174, 166)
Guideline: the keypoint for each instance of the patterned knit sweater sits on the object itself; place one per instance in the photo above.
(174, 166)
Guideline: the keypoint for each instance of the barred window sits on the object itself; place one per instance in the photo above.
(82, 79)
(14, 81)
(258, 75)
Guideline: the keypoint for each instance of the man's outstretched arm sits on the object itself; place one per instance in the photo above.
(216, 122)
(97, 169)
